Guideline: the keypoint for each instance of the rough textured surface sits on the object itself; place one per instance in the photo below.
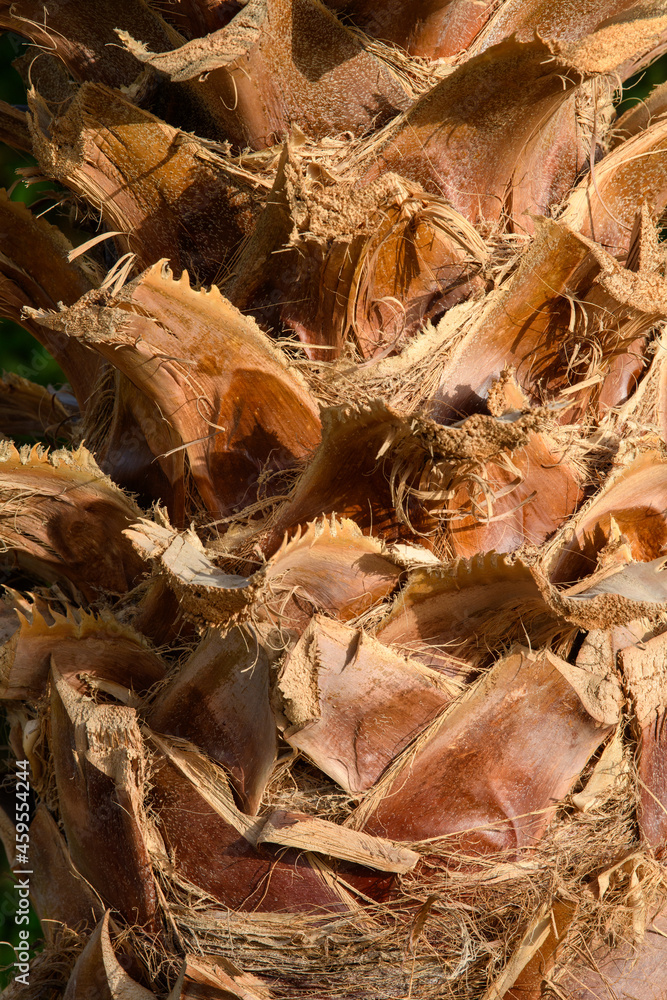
(491, 792)
(281, 63)
(99, 775)
(351, 704)
(164, 192)
(220, 700)
(65, 520)
(210, 408)
(333, 639)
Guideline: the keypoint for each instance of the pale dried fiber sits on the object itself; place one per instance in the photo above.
(97, 972)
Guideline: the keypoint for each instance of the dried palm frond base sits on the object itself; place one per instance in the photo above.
(480, 837)
(336, 638)
(458, 925)
(452, 925)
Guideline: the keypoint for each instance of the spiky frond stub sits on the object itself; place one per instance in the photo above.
(335, 635)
